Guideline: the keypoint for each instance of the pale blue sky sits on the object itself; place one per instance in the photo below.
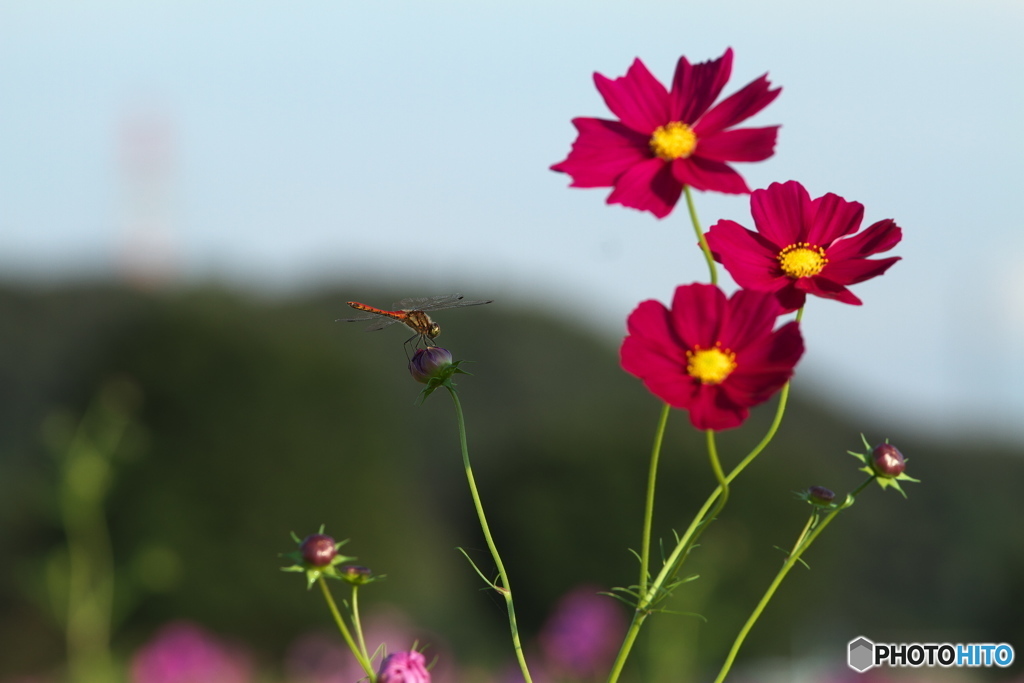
(313, 141)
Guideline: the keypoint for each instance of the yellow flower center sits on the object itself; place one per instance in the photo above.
(802, 260)
(674, 140)
(710, 366)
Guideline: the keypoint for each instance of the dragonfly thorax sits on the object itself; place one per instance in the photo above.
(421, 323)
(413, 314)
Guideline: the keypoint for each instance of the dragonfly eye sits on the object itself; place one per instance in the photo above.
(435, 330)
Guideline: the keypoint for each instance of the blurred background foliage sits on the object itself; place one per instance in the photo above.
(249, 418)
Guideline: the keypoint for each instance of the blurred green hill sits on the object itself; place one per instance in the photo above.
(257, 417)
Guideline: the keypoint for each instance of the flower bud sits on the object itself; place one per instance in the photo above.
(318, 549)
(887, 461)
(355, 574)
(429, 362)
(819, 495)
(403, 667)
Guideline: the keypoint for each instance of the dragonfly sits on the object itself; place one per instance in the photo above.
(412, 313)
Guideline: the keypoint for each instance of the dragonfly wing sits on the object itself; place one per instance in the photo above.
(380, 323)
(427, 303)
(466, 302)
(437, 303)
(377, 322)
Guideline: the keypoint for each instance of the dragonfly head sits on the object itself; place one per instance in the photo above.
(434, 330)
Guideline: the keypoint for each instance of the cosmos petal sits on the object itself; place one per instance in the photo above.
(750, 317)
(648, 186)
(879, 237)
(708, 175)
(696, 87)
(697, 311)
(638, 98)
(831, 217)
(741, 105)
(852, 271)
(827, 289)
(741, 144)
(714, 409)
(653, 322)
(602, 152)
(781, 212)
(749, 257)
(762, 369)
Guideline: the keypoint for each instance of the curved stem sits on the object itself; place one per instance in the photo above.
(363, 661)
(700, 235)
(803, 542)
(716, 467)
(506, 589)
(652, 476)
(627, 644)
(674, 562)
(688, 539)
(357, 624)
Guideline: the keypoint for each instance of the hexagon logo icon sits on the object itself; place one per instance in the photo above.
(860, 654)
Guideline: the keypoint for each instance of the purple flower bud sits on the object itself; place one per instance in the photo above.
(356, 575)
(403, 667)
(887, 461)
(318, 549)
(819, 495)
(429, 362)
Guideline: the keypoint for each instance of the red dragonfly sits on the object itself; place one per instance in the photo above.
(412, 313)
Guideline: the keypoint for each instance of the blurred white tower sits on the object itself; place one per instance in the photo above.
(147, 255)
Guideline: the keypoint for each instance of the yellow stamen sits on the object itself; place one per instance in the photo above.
(802, 260)
(710, 366)
(674, 140)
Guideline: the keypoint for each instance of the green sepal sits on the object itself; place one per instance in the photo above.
(883, 481)
(359, 578)
(894, 482)
(442, 379)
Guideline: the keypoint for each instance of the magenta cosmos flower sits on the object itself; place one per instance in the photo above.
(803, 246)
(404, 667)
(182, 652)
(712, 356)
(583, 634)
(667, 139)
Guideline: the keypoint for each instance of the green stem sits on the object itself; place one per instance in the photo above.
(804, 541)
(345, 633)
(652, 476)
(685, 543)
(506, 589)
(357, 624)
(716, 467)
(86, 475)
(700, 235)
(697, 526)
(648, 598)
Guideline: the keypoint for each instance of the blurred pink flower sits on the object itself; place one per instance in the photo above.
(182, 652)
(404, 667)
(582, 635)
